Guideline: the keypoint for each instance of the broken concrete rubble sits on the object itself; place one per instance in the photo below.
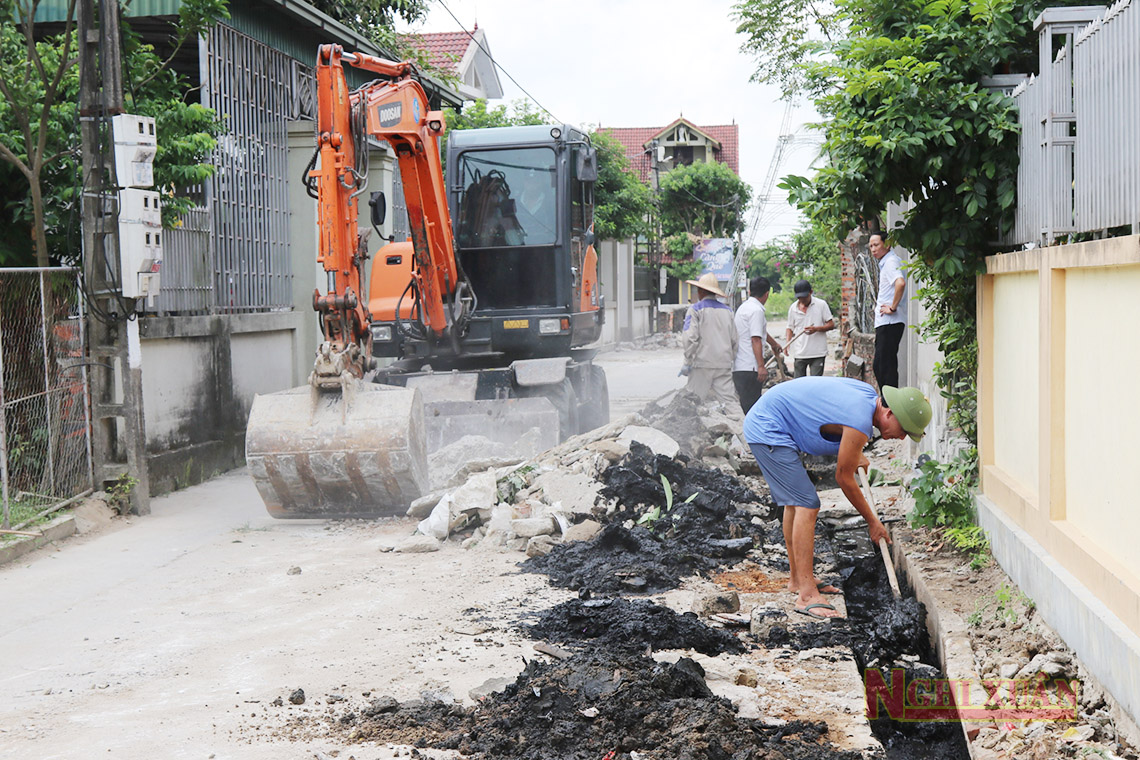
(564, 486)
(658, 442)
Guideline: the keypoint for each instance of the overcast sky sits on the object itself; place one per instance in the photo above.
(638, 63)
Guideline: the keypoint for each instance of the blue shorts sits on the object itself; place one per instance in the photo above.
(787, 479)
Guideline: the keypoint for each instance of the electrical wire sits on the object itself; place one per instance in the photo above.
(497, 64)
(706, 203)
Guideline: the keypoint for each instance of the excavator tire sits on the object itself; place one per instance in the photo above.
(564, 399)
(594, 410)
(328, 455)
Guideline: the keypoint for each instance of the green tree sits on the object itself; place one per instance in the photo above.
(39, 128)
(477, 115)
(702, 200)
(38, 82)
(905, 118)
(782, 34)
(815, 258)
(375, 20)
(622, 202)
(767, 260)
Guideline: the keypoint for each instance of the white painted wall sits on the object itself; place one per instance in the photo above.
(177, 377)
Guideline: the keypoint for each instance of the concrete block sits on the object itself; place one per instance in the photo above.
(582, 531)
(529, 527)
(657, 441)
(418, 545)
(710, 603)
(576, 491)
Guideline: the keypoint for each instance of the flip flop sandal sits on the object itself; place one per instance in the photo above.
(821, 586)
(808, 611)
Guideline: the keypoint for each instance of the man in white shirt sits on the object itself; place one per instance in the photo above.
(890, 316)
(810, 319)
(748, 371)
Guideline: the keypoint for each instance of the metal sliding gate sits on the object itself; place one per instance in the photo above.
(45, 441)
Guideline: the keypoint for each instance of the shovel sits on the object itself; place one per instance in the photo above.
(782, 368)
(894, 581)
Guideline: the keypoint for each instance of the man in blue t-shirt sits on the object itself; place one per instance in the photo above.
(824, 416)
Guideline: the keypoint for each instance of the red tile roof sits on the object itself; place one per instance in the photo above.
(634, 140)
(445, 49)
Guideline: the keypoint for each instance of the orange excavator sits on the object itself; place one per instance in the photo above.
(482, 327)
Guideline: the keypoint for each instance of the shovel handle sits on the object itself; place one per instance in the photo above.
(883, 550)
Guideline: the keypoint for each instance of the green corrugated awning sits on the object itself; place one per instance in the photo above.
(50, 11)
(292, 26)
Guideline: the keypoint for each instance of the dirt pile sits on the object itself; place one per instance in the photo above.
(658, 534)
(596, 706)
(629, 625)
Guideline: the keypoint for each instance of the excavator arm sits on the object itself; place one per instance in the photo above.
(395, 110)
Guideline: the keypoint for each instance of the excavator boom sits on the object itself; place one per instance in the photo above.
(342, 447)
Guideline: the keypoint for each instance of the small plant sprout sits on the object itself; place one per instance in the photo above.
(651, 516)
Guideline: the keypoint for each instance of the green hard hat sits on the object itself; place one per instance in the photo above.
(910, 408)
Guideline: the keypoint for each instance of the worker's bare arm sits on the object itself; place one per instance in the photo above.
(851, 458)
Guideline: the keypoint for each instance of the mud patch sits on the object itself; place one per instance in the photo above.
(707, 525)
(630, 625)
(750, 580)
(596, 706)
(888, 634)
(819, 635)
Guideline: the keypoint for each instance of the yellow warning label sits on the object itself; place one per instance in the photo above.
(516, 324)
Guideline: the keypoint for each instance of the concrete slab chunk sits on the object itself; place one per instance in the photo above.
(657, 441)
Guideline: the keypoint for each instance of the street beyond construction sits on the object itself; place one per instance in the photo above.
(565, 624)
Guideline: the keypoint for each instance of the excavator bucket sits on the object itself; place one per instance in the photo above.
(332, 455)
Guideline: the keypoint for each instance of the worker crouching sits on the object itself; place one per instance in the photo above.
(824, 416)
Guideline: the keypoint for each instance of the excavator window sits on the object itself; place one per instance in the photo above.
(509, 198)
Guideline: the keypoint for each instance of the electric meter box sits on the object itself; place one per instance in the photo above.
(135, 145)
(140, 251)
(140, 207)
(140, 242)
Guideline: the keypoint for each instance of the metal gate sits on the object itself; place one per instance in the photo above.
(45, 441)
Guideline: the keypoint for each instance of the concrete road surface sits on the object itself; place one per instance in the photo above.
(170, 635)
(639, 376)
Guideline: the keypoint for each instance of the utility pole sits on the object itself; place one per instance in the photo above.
(118, 437)
(655, 253)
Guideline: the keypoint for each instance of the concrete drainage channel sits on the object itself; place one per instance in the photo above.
(893, 648)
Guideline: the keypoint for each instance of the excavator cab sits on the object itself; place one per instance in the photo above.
(521, 199)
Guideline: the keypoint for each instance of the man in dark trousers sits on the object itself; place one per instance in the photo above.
(890, 312)
(748, 371)
(824, 416)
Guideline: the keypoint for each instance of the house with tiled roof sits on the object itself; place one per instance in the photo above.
(654, 151)
(466, 55)
(680, 143)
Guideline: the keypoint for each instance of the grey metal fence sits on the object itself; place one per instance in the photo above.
(187, 283)
(1106, 59)
(1080, 118)
(45, 443)
(255, 88)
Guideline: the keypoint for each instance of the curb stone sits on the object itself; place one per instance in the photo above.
(61, 527)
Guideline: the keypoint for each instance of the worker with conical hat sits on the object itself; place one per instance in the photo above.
(709, 340)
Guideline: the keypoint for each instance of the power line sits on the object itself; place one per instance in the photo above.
(497, 64)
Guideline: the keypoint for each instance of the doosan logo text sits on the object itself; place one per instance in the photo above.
(390, 114)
